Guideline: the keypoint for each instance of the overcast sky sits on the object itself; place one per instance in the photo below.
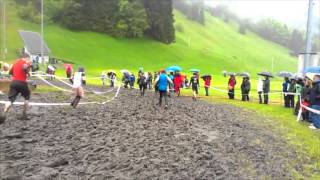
(292, 12)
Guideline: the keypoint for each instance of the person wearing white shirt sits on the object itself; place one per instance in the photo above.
(260, 89)
(78, 80)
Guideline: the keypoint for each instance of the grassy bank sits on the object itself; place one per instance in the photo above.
(215, 47)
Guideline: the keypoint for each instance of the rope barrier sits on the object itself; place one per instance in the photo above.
(50, 84)
(61, 80)
(270, 93)
(64, 103)
(40, 76)
(88, 91)
(67, 103)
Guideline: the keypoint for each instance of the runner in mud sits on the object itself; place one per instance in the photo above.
(163, 82)
(132, 81)
(103, 78)
(142, 82)
(149, 81)
(20, 72)
(156, 87)
(186, 82)
(78, 81)
(194, 83)
(177, 81)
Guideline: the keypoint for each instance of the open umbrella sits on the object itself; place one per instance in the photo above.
(206, 76)
(243, 74)
(80, 69)
(174, 68)
(267, 74)
(284, 74)
(124, 71)
(314, 69)
(51, 68)
(297, 76)
(225, 73)
(310, 76)
(195, 70)
(109, 72)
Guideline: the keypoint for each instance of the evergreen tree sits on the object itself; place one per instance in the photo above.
(160, 20)
(296, 42)
(193, 9)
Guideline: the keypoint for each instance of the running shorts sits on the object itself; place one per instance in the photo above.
(19, 87)
(195, 89)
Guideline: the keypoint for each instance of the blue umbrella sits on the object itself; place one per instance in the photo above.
(174, 68)
(314, 69)
(194, 70)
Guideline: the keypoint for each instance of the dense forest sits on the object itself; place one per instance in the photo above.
(119, 18)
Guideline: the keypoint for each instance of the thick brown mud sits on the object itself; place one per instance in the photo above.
(132, 138)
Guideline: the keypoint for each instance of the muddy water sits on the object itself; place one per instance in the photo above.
(132, 138)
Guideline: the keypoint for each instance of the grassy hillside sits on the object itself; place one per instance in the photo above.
(215, 47)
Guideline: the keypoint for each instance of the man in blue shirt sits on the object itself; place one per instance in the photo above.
(163, 82)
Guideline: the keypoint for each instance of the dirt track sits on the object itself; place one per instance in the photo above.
(131, 138)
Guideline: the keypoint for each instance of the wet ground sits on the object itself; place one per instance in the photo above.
(132, 138)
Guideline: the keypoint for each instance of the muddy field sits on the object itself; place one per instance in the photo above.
(132, 138)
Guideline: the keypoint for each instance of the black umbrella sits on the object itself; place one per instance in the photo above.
(267, 74)
(206, 76)
(285, 74)
(243, 74)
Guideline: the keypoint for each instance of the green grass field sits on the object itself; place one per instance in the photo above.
(215, 47)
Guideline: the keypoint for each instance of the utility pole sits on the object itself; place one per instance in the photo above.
(4, 35)
(308, 47)
(42, 32)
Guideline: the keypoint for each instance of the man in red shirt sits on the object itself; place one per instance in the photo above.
(19, 85)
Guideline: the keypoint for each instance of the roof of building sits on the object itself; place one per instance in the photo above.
(33, 41)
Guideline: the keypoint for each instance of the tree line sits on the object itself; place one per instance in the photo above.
(119, 18)
(269, 29)
(193, 9)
